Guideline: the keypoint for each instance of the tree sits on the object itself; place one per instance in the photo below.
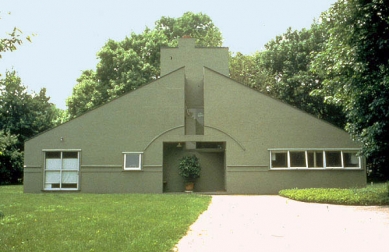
(22, 115)
(246, 70)
(128, 64)
(199, 26)
(11, 159)
(355, 65)
(86, 94)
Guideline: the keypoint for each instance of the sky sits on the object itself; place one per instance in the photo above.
(69, 33)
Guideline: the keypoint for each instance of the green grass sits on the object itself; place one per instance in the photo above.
(95, 222)
(371, 195)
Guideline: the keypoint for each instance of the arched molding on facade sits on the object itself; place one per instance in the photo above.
(182, 126)
(161, 134)
(225, 133)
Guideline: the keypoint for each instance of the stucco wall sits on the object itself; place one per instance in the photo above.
(254, 181)
(257, 123)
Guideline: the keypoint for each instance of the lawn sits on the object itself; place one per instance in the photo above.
(95, 222)
(376, 194)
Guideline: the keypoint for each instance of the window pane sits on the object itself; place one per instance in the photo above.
(69, 185)
(315, 159)
(53, 164)
(70, 155)
(132, 160)
(279, 159)
(297, 159)
(53, 154)
(52, 177)
(350, 159)
(333, 159)
(70, 164)
(69, 177)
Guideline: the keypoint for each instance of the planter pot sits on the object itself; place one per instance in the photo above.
(189, 186)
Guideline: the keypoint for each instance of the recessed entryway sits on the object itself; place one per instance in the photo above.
(212, 160)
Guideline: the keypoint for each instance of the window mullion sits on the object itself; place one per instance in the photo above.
(315, 159)
(60, 172)
(288, 156)
(324, 160)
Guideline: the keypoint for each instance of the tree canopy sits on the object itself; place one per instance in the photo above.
(355, 66)
(22, 115)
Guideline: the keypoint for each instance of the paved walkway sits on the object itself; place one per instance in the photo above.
(273, 223)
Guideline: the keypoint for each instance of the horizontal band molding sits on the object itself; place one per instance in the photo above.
(32, 167)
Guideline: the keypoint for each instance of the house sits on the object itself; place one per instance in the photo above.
(247, 142)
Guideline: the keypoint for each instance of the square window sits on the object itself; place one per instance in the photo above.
(61, 170)
(133, 161)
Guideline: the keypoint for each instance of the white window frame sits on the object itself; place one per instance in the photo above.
(61, 170)
(140, 163)
(306, 167)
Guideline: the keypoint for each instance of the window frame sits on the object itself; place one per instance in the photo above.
(342, 152)
(62, 170)
(140, 162)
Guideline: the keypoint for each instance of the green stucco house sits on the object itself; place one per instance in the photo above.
(247, 142)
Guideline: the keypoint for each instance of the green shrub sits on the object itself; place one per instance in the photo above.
(371, 195)
(189, 168)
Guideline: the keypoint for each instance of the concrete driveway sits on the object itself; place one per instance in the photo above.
(273, 223)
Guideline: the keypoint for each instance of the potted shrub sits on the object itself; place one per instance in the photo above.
(189, 169)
